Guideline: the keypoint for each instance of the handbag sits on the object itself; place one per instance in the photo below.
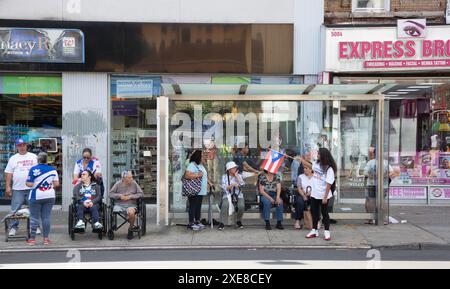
(191, 187)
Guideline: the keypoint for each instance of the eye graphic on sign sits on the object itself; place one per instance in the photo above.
(413, 28)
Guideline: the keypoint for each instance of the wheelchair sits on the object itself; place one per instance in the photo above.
(103, 214)
(119, 219)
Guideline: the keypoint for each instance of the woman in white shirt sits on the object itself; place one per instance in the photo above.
(323, 179)
(304, 189)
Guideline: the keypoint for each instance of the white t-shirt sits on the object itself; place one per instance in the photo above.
(19, 166)
(320, 181)
(304, 182)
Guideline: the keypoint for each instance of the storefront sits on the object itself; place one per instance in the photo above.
(412, 70)
(31, 103)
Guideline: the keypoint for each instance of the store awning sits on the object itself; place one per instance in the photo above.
(270, 89)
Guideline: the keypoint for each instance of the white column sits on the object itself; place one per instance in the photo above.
(85, 111)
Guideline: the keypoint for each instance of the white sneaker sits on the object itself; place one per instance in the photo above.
(312, 234)
(327, 235)
(38, 231)
(200, 226)
(98, 226)
(80, 225)
(12, 232)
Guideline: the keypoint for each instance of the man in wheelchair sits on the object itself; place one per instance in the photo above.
(87, 196)
(124, 196)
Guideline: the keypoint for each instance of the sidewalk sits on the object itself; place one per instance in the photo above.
(426, 227)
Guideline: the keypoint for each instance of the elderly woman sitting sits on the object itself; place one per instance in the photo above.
(126, 192)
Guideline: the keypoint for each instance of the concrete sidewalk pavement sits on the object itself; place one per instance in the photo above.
(425, 228)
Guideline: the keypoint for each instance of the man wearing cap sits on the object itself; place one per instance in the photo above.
(17, 170)
(232, 183)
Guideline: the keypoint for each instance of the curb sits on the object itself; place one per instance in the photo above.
(145, 248)
(414, 246)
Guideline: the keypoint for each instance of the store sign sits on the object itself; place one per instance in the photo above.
(125, 108)
(439, 193)
(380, 49)
(134, 88)
(41, 45)
(408, 193)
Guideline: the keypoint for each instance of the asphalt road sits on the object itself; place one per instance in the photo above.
(234, 258)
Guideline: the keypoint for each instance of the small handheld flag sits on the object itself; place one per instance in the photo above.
(273, 161)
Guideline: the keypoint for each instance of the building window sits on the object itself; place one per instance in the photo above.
(370, 5)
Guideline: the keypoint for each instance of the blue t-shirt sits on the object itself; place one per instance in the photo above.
(194, 168)
(42, 176)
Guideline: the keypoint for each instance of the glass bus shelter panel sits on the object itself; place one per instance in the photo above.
(244, 131)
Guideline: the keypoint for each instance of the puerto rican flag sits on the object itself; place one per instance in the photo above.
(273, 161)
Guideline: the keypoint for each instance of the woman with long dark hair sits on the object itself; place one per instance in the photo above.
(193, 171)
(324, 177)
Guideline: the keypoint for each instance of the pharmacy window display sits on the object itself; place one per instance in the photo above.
(31, 109)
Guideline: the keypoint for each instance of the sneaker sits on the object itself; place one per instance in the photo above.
(38, 231)
(200, 226)
(327, 235)
(12, 232)
(297, 225)
(98, 226)
(193, 227)
(279, 226)
(31, 242)
(80, 225)
(239, 225)
(221, 227)
(268, 226)
(313, 234)
(46, 241)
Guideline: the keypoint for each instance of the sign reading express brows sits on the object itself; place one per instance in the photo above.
(41, 45)
(380, 49)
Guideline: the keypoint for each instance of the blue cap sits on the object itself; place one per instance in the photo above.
(20, 141)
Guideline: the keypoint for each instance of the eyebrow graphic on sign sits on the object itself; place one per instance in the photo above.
(411, 28)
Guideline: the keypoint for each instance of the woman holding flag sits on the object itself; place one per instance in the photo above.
(270, 188)
(324, 170)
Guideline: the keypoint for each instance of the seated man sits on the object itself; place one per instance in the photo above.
(126, 192)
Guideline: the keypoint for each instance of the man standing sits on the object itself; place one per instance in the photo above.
(17, 171)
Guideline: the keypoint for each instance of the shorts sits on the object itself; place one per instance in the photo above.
(122, 208)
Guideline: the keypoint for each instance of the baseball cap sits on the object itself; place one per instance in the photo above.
(20, 141)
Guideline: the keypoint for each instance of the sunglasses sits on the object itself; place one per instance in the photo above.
(87, 158)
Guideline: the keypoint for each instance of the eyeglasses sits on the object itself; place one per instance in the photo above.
(87, 158)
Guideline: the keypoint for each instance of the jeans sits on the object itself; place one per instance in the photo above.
(299, 207)
(267, 206)
(224, 211)
(41, 210)
(19, 198)
(81, 210)
(316, 208)
(195, 208)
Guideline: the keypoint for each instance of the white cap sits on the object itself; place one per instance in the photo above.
(231, 165)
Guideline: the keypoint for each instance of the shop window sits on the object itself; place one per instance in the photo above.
(370, 5)
(134, 130)
(31, 108)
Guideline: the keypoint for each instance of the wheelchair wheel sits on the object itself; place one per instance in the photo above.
(144, 220)
(70, 222)
(104, 219)
(110, 234)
